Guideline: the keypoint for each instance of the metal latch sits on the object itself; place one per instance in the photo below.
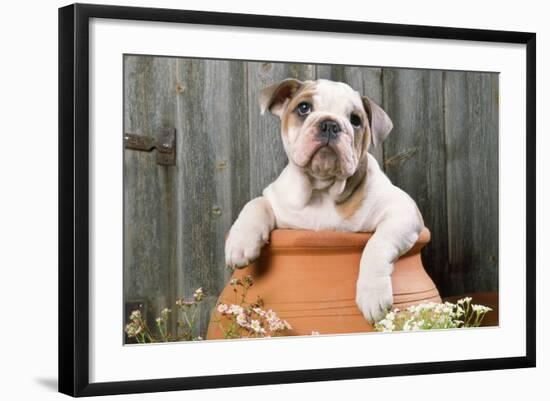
(164, 143)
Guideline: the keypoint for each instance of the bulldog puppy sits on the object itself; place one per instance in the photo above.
(331, 182)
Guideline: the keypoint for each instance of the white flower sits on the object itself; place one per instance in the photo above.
(270, 315)
(255, 325)
(259, 311)
(429, 306)
(241, 320)
(275, 325)
(135, 315)
(480, 308)
(447, 308)
(199, 294)
(132, 330)
(235, 309)
(464, 300)
(222, 308)
(411, 309)
(426, 307)
(432, 315)
(387, 325)
(158, 320)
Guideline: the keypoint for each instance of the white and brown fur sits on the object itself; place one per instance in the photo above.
(331, 184)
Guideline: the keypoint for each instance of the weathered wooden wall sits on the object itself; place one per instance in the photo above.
(443, 151)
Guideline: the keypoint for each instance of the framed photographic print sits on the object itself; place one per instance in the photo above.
(278, 199)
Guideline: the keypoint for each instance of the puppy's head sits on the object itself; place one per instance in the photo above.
(326, 126)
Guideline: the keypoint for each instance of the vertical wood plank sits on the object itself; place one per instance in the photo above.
(471, 104)
(176, 217)
(195, 176)
(365, 80)
(239, 141)
(149, 231)
(213, 154)
(414, 154)
(267, 156)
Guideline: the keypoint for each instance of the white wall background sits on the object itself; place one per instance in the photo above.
(28, 197)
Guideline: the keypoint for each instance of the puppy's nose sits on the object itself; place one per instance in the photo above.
(329, 129)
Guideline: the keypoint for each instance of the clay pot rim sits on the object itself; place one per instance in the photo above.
(289, 238)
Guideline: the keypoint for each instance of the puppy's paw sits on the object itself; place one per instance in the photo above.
(243, 246)
(374, 297)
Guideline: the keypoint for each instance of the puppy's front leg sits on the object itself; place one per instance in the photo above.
(249, 233)
(393, 237)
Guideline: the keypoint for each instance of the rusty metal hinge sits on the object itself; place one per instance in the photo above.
(164, 143)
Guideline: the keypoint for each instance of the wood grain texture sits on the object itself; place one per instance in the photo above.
(471, 128)
(267, 156)
(443, 152)
(414, 154)
(149, 189)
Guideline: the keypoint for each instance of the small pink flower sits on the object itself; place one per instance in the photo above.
(242, 321)
(270, 315)
(255, 325)
(236, 309)
(259, 311)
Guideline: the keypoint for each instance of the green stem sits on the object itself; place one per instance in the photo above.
(149, 334)
(187, 319)
(479, 318)
(162, 332)
(222, 330)
(467, 322)
(245, 291)
(194, 314)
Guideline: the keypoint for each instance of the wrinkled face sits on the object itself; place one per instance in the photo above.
(326, 126)
(323, 128)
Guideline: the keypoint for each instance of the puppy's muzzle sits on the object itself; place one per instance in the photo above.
(328, 130)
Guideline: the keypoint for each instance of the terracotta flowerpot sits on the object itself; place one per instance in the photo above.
(308, 278)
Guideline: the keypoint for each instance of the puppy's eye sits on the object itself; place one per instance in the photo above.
(304, 108)
(355, 120)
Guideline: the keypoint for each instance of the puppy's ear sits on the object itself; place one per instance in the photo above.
(273, 97)
(380, 122)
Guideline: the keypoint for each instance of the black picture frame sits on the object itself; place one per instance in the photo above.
(74, 198)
